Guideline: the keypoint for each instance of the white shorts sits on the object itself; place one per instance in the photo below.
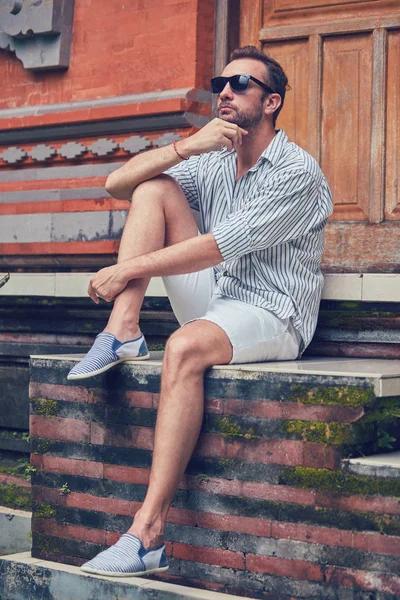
(256, 334)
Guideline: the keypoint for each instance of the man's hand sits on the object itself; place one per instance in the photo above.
(213, 136)
(107, 284)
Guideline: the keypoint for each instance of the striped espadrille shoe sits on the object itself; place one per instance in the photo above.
(127, 558)
(106, 352)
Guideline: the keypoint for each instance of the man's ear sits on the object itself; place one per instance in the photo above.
(271, 103)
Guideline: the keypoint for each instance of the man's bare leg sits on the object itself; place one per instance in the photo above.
(159, 216)
(189, 352)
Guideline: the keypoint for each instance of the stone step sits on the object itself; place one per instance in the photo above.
(380, 465)
(25, 578)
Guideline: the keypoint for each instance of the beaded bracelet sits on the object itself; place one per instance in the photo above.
(180, 155)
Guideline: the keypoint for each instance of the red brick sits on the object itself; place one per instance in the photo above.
(66, 393)
(375, 504)
(319, 456)
(367, 580)
(309, 412)
(213, 406)
(266, 451)
(85, 501)
(182, 516)
(111, 537)
(64, 530)
(72, 430)
(84, 468)
(311, 533)
(374, 542)
(295, 569)
(252, 526)
(279, 493)
(138, 437)
(291, 410)
(126, 474)
(140, 399)
(14, 480)
(211, 556)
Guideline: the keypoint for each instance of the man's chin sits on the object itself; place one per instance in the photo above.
(230, 117)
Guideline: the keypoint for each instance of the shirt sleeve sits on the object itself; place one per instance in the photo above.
(185, 174)
(284, 209)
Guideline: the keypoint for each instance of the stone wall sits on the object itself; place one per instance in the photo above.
(267, 508)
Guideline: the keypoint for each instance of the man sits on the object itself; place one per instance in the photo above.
(248, 288)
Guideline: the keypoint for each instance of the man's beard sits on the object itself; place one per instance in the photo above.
(245, 119)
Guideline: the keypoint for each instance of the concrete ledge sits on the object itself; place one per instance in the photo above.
(15, 527)
(383, 374)
(24, 578)
(369, 287)
(380, 465)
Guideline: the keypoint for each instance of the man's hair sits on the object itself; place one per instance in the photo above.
(275, 78)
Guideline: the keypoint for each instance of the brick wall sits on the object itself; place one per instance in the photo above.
(265, 509)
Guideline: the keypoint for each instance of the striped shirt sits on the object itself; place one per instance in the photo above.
(269, 227)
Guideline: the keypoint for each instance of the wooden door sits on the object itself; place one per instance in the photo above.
(342, 58)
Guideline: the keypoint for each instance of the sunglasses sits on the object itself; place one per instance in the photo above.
(238, 83)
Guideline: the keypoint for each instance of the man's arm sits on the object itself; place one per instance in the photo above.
(215, 135)
(188, 256)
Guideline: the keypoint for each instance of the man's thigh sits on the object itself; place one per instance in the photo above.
(256, 334)
(190, 294)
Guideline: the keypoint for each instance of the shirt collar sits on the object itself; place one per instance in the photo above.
(271, 153)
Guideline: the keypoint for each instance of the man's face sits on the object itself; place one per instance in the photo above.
(245, 108)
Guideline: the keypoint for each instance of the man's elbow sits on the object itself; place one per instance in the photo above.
(115, 187)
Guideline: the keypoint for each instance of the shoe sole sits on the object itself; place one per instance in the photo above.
(104, 369)
(111, 574)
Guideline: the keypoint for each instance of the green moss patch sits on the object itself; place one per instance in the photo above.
(14, 496)
(43, 511)
(342, 395)
(231, 428)
(338, 482)
(44, 406)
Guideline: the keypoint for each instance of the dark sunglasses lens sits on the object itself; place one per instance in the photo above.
(239, 83)
(218, 84)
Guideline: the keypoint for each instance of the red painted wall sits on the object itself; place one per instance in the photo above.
(121, 47)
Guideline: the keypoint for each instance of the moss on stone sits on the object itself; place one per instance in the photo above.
(342, 395)
(43, 511)
(324, 433)
(15, 496)
(44, 543)
(44, 406)
(339, 482)
(44, 446)
(227, 426)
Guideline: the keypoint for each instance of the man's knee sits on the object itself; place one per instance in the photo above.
(183, 353)
(156, 189)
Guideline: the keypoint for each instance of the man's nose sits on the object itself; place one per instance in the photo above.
(226, 92)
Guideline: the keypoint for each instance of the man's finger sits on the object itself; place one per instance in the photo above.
(228, 143)
(92, 294)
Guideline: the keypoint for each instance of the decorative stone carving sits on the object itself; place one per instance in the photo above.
(72, 150)
(13, 155)
(42, 152)
(103, 147)
(135, 144)
(166, 138)
(100, 147)
(38, 31)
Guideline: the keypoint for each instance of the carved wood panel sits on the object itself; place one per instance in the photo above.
(294, 58)
(342, 58)
(393, 128)
(346, 123)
